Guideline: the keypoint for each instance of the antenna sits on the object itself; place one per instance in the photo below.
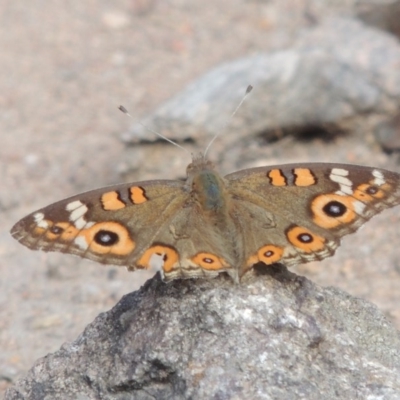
(125, 111)
(248, 90)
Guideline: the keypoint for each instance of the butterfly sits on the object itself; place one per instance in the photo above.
(208, 224)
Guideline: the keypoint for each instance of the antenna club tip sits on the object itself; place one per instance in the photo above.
(123, 109)
(249, 89)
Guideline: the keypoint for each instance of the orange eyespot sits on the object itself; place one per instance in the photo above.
(332, 210)
(268, 254)
(370, 192)
(304, 239)
(63, 231)
(209, 261)
(107, 238)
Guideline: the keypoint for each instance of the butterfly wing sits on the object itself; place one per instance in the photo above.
(294, 214)
(287, 214)
(105, 225)
(138, 225)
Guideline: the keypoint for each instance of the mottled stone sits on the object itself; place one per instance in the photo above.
(275, 336)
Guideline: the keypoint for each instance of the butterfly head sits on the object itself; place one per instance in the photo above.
(199, 163)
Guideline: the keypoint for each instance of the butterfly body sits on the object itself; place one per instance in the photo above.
(209, 224)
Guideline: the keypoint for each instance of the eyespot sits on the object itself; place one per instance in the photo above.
(270, 254)
(209, 261)
(369, 192)
(372, 190)
(61, 231)
(106, 238)
(56, 230)
(332, 210)
(304, 239)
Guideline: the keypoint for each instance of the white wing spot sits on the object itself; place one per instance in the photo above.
(345, 191)
(38, 217)
(341, 180)
(338, 175)
(339, 171)
(78, 213)
(76, 216)
(40, 222)
(73, 205)
(81, 242)
(379, 178)
(80, 223)
(359, 207)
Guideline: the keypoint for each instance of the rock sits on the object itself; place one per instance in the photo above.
(387, 134)
(341, 74)
(275, 336)
(383, 15)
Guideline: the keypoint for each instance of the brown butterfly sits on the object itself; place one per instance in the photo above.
(287, 214)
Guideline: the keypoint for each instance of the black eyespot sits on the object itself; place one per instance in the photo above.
(305, 238)
(334, 209)
(372, 190)
(208, 260)
(106, 238)
(56, 230)
(269, 253)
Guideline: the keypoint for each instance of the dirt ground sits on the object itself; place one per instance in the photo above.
(64, 69)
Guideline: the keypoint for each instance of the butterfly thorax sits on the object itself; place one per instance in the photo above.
(207, 187)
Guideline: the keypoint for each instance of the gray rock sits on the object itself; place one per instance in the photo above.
(275, 336)
(388, 134)
(381, 14)
(341, 74)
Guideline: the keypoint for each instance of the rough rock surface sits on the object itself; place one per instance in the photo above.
(276, 336)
